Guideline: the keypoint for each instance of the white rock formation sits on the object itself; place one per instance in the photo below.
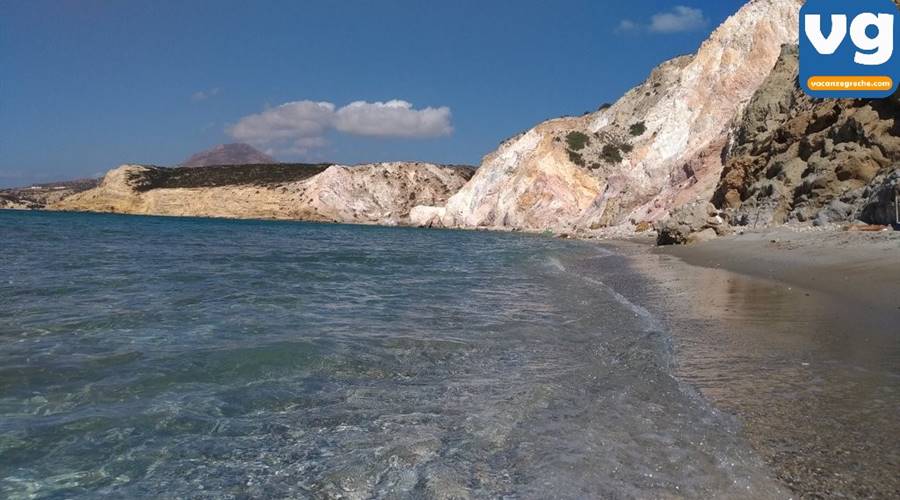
(379, 193)
(685, 108)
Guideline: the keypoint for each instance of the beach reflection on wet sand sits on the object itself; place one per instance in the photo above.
(814, 378)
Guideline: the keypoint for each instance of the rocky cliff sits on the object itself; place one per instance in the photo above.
(714, 139)
(381, 193)
(798, 159)
(795, 159)
(655, 149)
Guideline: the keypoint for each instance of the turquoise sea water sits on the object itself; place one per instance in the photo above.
(198, 358)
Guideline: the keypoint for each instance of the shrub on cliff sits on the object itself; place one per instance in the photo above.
(611, 154)
(576, 158)
(577, 141)
(638, 129)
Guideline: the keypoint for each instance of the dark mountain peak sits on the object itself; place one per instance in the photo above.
(229, 154)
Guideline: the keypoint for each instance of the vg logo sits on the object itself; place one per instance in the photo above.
(848, 48)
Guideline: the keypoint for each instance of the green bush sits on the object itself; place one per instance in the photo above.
(576, 158)
(611, 154)
(577, 141)
(626, 148)
(638, 129)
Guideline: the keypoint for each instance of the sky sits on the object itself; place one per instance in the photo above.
(86, 85)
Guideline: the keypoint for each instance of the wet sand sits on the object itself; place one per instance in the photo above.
(859, 267)
(796, 334)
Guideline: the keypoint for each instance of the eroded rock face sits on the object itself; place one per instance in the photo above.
(798, 159)
(14, 204)
(381, 193)
(657, 148)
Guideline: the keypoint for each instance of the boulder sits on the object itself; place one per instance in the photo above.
(693, 223)
(426, 216)
(879, 206)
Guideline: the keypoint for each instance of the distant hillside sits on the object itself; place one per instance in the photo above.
(225, 175)
(376, 193)
(40, 195)
(229, 154)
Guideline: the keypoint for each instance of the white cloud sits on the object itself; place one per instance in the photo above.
(299, 127)
(289, 121)
(202, 95)
(680, 19)
(393, 119)
(627, 25)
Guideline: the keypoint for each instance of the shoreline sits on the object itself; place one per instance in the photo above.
(487, 364)
(794, 334)
(855, 266)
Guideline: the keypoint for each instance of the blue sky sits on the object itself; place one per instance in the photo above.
(90, 84)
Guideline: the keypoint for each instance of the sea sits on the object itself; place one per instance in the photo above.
(207, 358)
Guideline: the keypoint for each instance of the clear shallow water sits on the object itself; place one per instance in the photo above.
(232, 359)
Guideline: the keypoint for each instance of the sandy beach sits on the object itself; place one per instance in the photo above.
(860, 267)
(797, 335)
